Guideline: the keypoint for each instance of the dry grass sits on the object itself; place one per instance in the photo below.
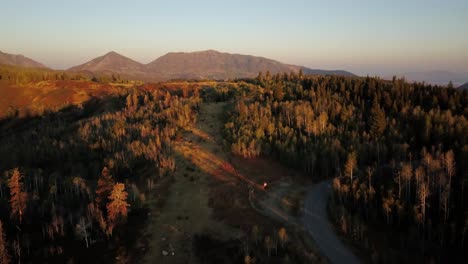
(49, 95)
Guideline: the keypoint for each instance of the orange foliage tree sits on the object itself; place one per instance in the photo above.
(117, 207)
(104, 187)
(18, 197)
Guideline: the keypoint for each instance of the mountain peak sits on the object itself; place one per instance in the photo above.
(112, 53)
(111, 62)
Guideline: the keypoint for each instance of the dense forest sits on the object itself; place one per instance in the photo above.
(397, 152)
(72, 179)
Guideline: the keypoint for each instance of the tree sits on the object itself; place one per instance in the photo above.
(18, 197)
(268, 244)
(423, 193)
(449, 164)
(377, 125)
(378, 122)
(105, 186)
(283, 236)
(350, 165)
(81, 230)
(450, 85)
(117, 207)
(4, 256)
(256, 234)
(406, 174)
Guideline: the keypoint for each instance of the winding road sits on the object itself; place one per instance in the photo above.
(316, 222)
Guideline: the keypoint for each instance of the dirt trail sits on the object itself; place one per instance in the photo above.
(186, 212)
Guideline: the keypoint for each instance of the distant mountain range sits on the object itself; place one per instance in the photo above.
(437, 77)
(208, 64)
(19, 60)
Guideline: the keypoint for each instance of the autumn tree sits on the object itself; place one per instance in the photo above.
(18, 197)
(406, 175)
(105, 186)
(378, 122)
(117, 207)
(350, 165)
(283, 236)
(4, 256)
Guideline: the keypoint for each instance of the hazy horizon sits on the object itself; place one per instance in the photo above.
(363, 37)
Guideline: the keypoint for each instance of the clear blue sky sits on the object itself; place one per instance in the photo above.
(363, 36)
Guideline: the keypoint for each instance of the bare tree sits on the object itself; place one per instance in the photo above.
(81, 230)
(423, 194)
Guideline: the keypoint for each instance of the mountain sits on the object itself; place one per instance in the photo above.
(208, 64)
(464, 86)
(437, 77)
(112, 62)
(19, 60)
(212, 64)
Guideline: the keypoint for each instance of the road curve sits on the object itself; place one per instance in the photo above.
(316, 222)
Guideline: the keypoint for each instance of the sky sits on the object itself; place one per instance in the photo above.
(375, 37)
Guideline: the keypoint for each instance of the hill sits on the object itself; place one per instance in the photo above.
(112, 62)
(19, 60)
(464, 86)
(208, 64)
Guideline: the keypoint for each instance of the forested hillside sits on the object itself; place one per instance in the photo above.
(74, 182)
(397, 150)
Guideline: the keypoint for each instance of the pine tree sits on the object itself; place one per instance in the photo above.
(18, 197)
(4, 256)
(117, 207)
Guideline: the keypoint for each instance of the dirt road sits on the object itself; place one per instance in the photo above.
(317, 223)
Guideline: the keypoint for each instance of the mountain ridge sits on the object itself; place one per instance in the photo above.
(19, 60)
(207, 64)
